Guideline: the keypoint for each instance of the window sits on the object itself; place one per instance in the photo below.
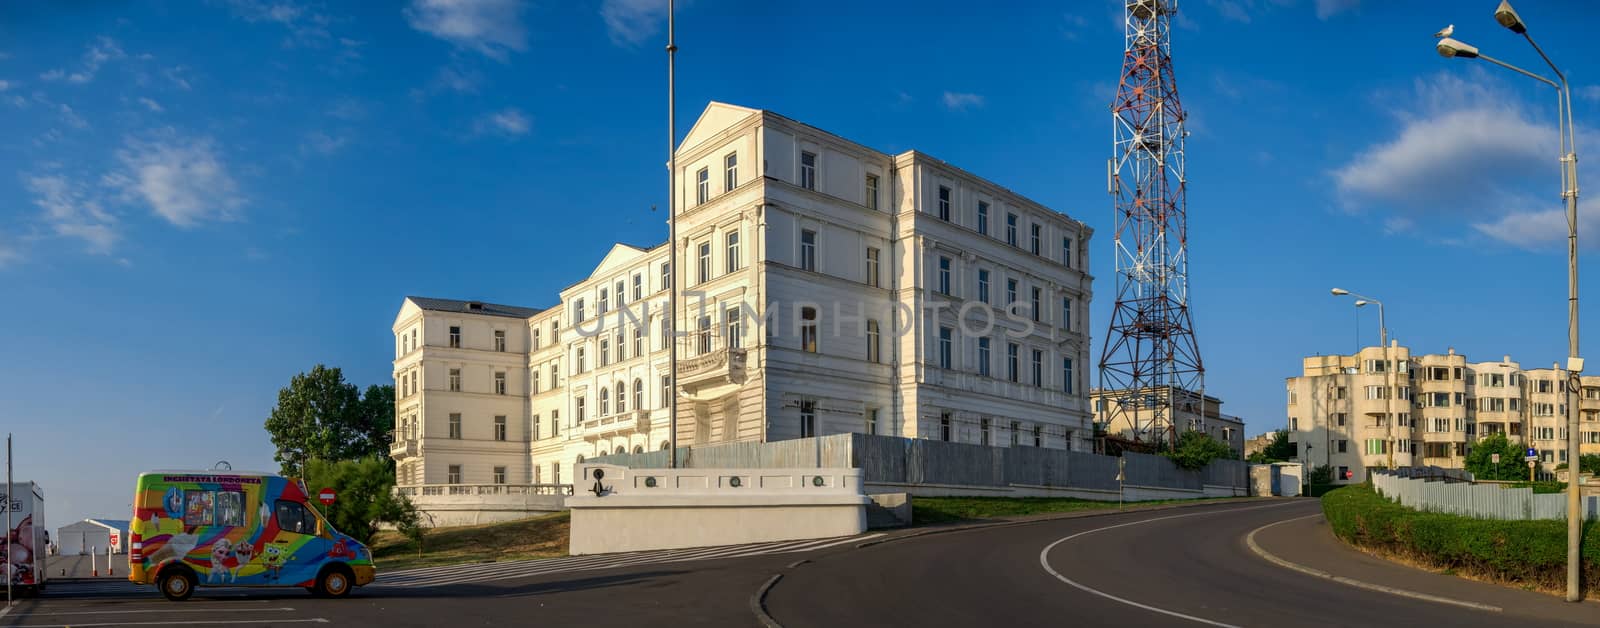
(555, 376)
(808, 419)
(945, 340)
(198, 508)
(414, 387)
(581, 362)
(808, 329)
(703, 339)
(230, 508)
(730, 171)
(1011, 229)
(808, 250)
(580, 407)
(944, 426)
(944, 275)
(499, 475)
(500, 382)
(1012, 359)
(1011, 292)
(731, 260)
(555, 472)
(1066, 375)
(1038, 367)
(621, 295)
(455, 425)
(872, 420)
(983, 357)
(983, 285)
(872, 191)
(872, 267)
(666, 390)
(873, 339)
(808, 170)
(638, 392)
(455, 337)
(1038, 436)
(1036, 235)
(638, 286)
(705, 262)
(733, 321)
(1066, 313)
(455, 380)
(702, 186)
(537, 427)
(500, 427)
(1066, 251)
(622, 348)
(605, 352)
(294, 517)
(1016, 433)
(454, 477)
(500, 340)
(555, 423)
(944, 203)
(983, 431)
(1034, 299)
(578, 312)
(638, 341)
(666, 276)
(605, 402)
(983, 218)
(536, 339)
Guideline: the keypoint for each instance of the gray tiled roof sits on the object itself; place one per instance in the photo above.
(466, 307)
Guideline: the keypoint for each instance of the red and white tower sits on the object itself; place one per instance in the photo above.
(1150, 359)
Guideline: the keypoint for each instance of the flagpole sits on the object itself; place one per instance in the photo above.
(672, 235)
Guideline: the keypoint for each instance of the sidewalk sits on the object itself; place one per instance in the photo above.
(75, 567)
(1309, 542)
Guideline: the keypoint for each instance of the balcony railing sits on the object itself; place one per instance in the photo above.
(721, 366)
(402, 444)
(621, 424)
(483, 489)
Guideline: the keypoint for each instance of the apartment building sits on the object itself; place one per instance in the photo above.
(826, 287)
(1359, 411)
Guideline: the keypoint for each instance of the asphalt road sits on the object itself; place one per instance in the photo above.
(1183, 567)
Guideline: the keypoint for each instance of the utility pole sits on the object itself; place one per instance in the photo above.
(672, 234)
(6, 538)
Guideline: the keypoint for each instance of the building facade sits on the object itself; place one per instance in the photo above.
(825, 287)
(1190, 411)
(1351, 412)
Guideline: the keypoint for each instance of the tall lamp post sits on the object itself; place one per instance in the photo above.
(1389, 366)
(1450, 47)
(672, 236)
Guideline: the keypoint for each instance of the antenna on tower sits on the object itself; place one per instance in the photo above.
(1151, 358)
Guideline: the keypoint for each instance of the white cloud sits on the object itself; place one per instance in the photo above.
(1590, 93)
(151, 105)
(102, 50)
(456, 79)
(1329, 8)
(632, 22)
(958, 101)
(508, 121)
(1544, 230)
(322, 143)
(5, 85)
(10, 252)
(306, 26)
(1231, 10)
(1072, 26)
(491, 27)
(71, 211)
(177, 74)
(347, 109)
(182, 180)
(71, 118)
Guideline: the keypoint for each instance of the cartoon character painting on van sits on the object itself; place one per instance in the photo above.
(238, 529)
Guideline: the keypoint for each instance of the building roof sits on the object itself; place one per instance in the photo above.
(114, 524)
(473, 307)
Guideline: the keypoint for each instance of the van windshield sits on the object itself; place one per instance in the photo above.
(294, 517)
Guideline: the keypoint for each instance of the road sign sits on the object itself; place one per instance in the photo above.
(326, 496)
(1494, 458)
(1531, 453)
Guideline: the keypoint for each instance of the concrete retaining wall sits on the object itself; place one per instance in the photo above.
(465, 510)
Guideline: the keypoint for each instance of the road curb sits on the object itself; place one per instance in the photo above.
(1250, 542)
(758, 603)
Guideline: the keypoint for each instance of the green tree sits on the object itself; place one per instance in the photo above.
(1480, 461)
(365, 497)
(1321, 474)
(1587, 463)
(1279, 450)
(1197, 449)
(320, 416)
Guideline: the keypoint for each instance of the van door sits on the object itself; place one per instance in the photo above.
(296, 552)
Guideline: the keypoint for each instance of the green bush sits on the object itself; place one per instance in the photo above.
(1522, 552)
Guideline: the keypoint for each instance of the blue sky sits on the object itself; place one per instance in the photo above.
(198, 200)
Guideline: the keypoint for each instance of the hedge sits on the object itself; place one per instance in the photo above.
(1518, 552)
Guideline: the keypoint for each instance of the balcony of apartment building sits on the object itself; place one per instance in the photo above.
(1442, 454)
(713, 363)
(617, 425)
(403, 443)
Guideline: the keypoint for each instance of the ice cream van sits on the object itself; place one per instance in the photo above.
(228, 528)
(22, 545)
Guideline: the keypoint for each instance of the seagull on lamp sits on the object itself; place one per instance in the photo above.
(1448, 31)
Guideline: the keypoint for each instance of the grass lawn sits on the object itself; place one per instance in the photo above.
(542, 537)
(926, 510)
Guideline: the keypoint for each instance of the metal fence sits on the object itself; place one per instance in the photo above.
(1484, 501)
(895, 460)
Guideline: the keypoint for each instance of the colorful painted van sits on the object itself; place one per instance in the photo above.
(211, 528)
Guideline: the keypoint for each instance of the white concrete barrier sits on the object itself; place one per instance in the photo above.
(644, 509)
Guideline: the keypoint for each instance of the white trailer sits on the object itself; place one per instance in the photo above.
(25, 542)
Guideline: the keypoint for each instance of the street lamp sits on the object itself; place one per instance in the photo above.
(1388, 364)
(1449, 47)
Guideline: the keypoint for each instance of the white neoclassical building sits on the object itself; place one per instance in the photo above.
(826, 287)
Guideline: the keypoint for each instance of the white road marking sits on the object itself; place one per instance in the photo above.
(313, 620)
(1250, 540)
(1044, 561)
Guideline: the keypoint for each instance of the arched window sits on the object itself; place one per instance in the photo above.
(605, 402)
(638, 449)
(808, 329)
(622, 398)
(638, 392)
(621, 450)
(665, 445)
(580, 458)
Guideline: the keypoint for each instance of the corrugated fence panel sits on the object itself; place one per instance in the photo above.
(1157, 471)
(1484, 501)
(1092, 471)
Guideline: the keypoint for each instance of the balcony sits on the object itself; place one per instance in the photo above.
(719, 367)
(402, 445)
(621, 424)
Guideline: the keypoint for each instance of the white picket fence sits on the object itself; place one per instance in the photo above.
(1484, 501)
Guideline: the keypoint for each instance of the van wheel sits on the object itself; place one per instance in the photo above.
(176, 583)
(334, 582)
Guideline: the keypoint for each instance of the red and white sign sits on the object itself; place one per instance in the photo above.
(326, 497)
